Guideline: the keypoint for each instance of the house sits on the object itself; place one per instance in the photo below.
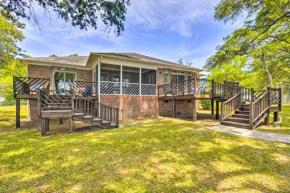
(103, 88)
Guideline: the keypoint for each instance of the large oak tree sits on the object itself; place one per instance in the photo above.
(264, 38)
(80, 13)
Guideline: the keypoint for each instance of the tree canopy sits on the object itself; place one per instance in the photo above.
(80, 13)
(264, 38)
(10, 35)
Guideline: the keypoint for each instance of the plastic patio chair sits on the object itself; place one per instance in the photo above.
(86, 91)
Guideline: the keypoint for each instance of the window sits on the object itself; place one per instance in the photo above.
(177, 76)
(165, 76)
(62, 80)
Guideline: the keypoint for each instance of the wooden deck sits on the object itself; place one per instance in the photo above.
(79, 103)
(235, 105)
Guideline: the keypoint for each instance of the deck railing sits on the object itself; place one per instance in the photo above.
(186, 87)
(276, 96)
(259, 108)
(27, 85)
(247, 94)
(85, 88)
(53, 99)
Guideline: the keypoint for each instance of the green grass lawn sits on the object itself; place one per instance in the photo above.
(285, 127)
(161, 155)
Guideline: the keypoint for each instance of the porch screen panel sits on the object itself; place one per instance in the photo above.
(131, 82)
(110, 79)
(148, 86)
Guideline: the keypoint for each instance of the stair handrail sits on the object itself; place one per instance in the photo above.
(230, 106)
(258, 108)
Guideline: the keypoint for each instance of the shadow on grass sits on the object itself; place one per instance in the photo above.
(166, 155)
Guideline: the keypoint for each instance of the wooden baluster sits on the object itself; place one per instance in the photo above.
(222, 111)
(195, 85)
(111, 116)
(251, 116)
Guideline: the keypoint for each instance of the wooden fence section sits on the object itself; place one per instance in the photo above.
(27, 85)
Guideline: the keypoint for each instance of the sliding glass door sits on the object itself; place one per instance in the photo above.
(63, 80)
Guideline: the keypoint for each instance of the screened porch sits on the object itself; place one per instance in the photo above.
(125, 80)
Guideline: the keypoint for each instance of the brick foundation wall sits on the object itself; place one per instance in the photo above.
(32, 113)
(132, 107)
(183, 107)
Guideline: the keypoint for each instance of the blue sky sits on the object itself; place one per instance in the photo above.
(167, 29)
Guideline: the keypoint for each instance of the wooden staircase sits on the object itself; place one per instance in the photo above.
(95, 121)
(94, 113)
(56, 104)
(236, 112)
(240, 118)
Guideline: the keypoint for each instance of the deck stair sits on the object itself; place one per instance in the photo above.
(240, 118)
(81, 108)
(96, 121)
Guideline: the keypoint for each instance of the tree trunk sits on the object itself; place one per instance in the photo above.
(266, 69)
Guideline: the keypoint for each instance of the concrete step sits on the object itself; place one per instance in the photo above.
(234, 124)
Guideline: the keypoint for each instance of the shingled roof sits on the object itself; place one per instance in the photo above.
(83, 60)
(136, 56)
(69, 60)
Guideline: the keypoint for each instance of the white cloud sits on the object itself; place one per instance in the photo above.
(175, 15)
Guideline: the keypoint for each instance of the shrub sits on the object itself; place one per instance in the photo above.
(206, 104)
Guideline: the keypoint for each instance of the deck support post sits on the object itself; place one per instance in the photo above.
(212, 106)
(267, 119)
(47, 124)
(275, 117)
(61, 120)
(194, 111)
(70, 124)
(17, 113)
(217, 110)
(43, 126)
(174, 108)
